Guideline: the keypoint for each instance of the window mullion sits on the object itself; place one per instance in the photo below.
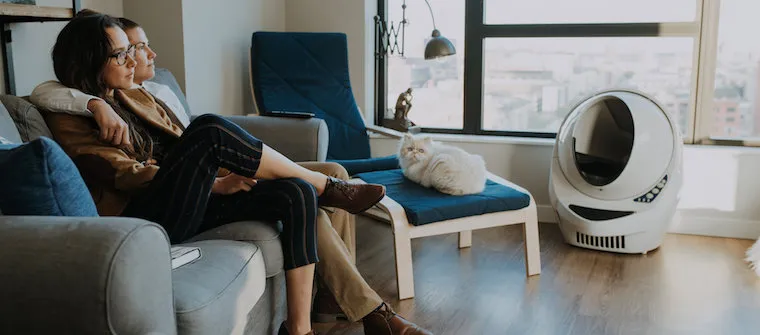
(473, 67)
(702, 115)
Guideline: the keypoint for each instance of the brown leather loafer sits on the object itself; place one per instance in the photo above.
(325, 308)
(354, 198)
(384, 321)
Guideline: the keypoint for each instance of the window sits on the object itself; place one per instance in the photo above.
(437, 86)
(737, 70)
(529, 82)
(520, 64)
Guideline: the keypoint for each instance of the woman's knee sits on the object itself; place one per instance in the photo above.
(213, 123)
(208, 119)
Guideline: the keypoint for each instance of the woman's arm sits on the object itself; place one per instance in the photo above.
(99, 160)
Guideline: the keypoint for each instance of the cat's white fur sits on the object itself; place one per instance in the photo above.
(446, 168)
(753, 257)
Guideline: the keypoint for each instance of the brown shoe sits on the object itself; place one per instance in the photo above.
(284, 330)
(383, 321)
(354, 198)
(325, 308)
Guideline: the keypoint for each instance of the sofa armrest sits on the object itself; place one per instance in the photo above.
(64, 275)
(301, 140)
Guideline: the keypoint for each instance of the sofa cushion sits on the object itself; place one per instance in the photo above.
(7, 127)
(38, 178)
(265, 235)
(214, 294)
(426, 205)
(28, 119)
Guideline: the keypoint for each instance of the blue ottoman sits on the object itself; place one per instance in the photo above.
(416, 211)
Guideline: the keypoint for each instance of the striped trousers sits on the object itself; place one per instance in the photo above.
(179, 197)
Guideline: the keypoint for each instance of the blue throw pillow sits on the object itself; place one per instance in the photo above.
(38, 178)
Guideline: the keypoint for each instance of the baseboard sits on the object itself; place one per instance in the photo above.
(717, 227)
(546, 214)
(689, 224)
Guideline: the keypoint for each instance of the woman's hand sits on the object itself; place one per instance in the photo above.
(232, 183)
(113, 128)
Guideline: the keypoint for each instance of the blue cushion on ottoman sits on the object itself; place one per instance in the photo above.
(356, 166)
(38, 178)
(426, 205)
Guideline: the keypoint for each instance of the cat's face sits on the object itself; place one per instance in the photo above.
(414, 148)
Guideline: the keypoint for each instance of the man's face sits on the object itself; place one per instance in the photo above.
(144, 55)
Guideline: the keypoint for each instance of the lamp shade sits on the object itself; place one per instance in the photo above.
(439, 46)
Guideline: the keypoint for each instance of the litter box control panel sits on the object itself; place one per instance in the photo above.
(654, 192)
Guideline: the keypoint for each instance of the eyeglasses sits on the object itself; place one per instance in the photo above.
(121, 56)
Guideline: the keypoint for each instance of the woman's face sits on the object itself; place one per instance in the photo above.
(119, 70)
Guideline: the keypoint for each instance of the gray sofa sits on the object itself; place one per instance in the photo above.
(112, 275)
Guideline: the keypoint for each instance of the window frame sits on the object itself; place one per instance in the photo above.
(703, 30)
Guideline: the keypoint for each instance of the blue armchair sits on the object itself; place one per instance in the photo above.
(308, 72)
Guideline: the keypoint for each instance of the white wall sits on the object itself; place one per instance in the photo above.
(355, 19)
(33, 42)
(217, 41)
(205, 45)
(720, 196)
(162, 22)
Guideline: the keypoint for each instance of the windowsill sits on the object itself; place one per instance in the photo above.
(392, 134)
(543, 142)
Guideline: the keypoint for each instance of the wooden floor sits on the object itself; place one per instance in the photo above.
(690, 285)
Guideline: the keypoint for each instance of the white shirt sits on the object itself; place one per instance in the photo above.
(58, 98)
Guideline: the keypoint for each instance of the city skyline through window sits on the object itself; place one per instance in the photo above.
(529, 83)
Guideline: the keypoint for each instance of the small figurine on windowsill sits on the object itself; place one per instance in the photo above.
(400, 119)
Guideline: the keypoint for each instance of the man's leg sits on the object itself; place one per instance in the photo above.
(352, 293)
(343, 222)
(340, 275)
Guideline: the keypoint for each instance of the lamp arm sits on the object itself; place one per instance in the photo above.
(431, 13)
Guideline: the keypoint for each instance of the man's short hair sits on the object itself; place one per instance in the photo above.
(127, 23)
(87, 12)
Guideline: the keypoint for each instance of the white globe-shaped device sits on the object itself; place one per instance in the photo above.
(616, 172)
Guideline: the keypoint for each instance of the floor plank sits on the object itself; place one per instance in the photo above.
(690, 285)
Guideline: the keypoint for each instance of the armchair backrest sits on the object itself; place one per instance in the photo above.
(308, 72)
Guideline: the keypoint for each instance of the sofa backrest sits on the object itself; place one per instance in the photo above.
(164, 76)
(8, 127)
(26, 118)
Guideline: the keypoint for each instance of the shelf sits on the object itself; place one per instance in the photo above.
(32, 13)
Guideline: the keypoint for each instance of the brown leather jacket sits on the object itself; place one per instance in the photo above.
(112, 174)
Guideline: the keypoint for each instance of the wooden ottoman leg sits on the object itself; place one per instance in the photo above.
(404, 273)
(532, 249)
(465, 239)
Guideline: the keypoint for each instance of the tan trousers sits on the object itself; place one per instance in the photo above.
(336, 247)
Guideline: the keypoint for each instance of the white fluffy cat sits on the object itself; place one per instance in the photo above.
(446, 168)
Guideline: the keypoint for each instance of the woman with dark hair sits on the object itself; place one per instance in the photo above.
(93, 54)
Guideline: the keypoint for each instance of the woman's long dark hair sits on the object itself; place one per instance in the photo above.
(80, 54)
